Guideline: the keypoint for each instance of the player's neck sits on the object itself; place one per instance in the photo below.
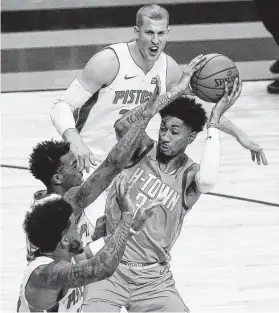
(59, 190)
(168, 165)
(138, 57)
(58, 254)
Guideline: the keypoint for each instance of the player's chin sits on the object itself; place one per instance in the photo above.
(76, 247)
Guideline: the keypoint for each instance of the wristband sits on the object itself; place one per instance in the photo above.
(215, 125)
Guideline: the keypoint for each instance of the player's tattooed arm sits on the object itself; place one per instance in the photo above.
(116, 160)
(175, 92)
(102, 265)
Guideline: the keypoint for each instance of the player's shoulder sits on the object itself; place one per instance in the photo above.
(105, 58)
(102, 67)
(41, 275)
(174, 72)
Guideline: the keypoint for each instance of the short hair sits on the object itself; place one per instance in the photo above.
(153, 11)
(45, 223)
(187, 110)
(44, 161)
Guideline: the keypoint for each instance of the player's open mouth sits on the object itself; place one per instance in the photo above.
(164, 147)
(153, 50)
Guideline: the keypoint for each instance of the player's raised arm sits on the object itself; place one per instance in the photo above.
(206, 178)
(116, 160)
(100, 71)
(166, 98)
(62, 274)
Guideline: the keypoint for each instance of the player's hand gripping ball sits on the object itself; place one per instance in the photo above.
(208, 82)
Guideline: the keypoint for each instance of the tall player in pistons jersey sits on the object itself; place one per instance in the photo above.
(143, 281)
(121, 76)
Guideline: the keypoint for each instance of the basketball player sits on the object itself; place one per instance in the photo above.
(56, 166)
(143, 281)
(51, 282)
(121, 76)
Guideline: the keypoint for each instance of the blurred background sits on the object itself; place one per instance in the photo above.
(45, 43)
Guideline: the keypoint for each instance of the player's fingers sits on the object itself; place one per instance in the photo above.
(86, 163)
(226, 90)
(235, 91)
(239, 89)
(258, 158)
(92, 159)
(158, 86)
(253, 156)
(264, 158)
(80, 163)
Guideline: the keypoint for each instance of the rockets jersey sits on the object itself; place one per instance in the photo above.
(130, 88)
(155, 241)
(84, 226)
(70, 302)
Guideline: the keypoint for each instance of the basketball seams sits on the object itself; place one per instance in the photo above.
(224, 70)
(204, 96)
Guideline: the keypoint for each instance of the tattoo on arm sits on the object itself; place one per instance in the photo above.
(164, 100)
(62, 274)
(116, 160)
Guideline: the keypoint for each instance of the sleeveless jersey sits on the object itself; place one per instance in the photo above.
(71, 302)
(155, 241)
(130, 88)
(84, 226)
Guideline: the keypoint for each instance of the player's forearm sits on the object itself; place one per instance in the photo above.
(207, 176)
(230, 128)
(101, 266)
(71, 135)
(104, 263)
(163, 101)
(168, 97)
(122, 152)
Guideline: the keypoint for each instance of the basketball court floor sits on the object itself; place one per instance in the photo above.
(227, 257)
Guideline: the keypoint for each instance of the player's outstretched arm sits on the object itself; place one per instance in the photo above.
(166, 98)
(257, 152)
(207, 176)
(103, 264)
(116, 160)
(62, 274)
(100, 71)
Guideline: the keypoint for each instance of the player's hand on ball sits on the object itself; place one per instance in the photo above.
(83, 155)
(257, 152)
(196, 64)
(152, 104)
(226, 101)
(144, 213)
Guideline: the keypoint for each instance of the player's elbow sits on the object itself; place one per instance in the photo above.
(206, 186)
(205, 183)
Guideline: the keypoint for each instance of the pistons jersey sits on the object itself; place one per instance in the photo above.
(69, 301)
(154, 242)
(130, 88)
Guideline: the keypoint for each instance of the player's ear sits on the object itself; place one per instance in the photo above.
(57, 179)
(136, 32)
(192, 137)
(168, 30)
(64, 242)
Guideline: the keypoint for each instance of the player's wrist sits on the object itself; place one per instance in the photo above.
(71, 135)
(127, 216)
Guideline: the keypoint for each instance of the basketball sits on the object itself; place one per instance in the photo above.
(208, 82)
